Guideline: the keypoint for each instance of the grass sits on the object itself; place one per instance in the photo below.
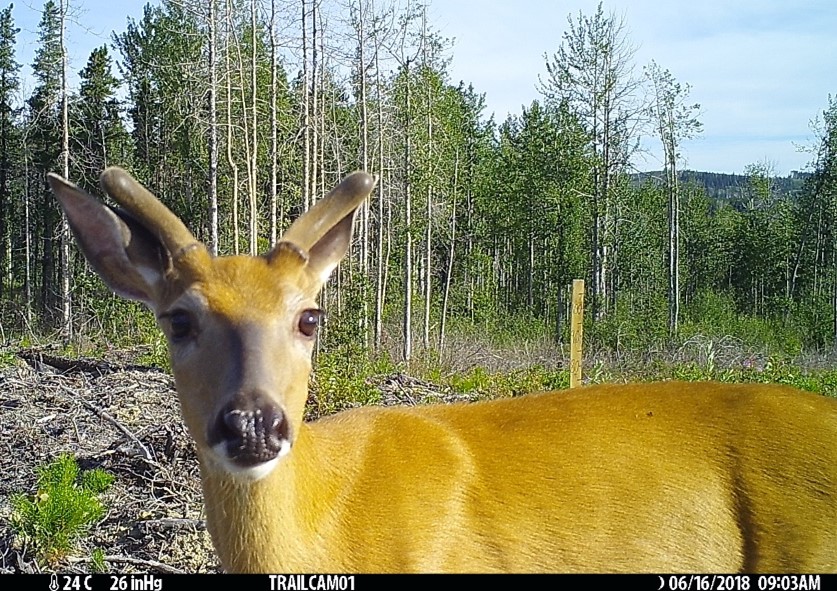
(97, 561)
(478, 365)
(64, 508)
(486, 370)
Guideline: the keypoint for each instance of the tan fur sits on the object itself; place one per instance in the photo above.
(666, 477)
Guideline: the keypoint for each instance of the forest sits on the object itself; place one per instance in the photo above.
(240, 114)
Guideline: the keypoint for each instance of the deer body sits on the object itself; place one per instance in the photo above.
(648, 477)
(676, 477)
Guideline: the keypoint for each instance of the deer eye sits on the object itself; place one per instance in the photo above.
(309, 320)
(180, 323)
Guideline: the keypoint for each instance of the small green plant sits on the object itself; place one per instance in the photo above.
(97, 561)
(7, 357)
(63, 509)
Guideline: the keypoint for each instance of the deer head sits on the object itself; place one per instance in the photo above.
(240, 329)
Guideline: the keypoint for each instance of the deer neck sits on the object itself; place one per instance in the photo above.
(277, 523)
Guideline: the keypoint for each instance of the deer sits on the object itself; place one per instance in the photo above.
(651, 477)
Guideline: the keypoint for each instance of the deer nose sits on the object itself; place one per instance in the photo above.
(252, 429)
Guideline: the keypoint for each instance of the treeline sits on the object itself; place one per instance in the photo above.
(240, 114)
(730, 187)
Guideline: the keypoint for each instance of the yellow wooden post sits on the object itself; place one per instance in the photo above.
(576, 332)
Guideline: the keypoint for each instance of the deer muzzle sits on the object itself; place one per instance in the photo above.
(250, 434)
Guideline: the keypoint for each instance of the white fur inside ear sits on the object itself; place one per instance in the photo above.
(329, 250)
(150, 276)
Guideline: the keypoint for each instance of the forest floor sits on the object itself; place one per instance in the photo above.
(124, 419)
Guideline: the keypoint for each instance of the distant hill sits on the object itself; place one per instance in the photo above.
(729, 187)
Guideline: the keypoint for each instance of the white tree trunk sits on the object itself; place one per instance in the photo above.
(254, 141)
(274, 139)
(66, 267)
(213, 126)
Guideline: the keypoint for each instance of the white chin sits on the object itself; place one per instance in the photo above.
(251, 473)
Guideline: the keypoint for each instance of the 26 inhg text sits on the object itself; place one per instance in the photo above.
(135, 583)
(312, 582)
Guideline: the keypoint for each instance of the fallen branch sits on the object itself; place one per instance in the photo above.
(101, 413)
(169, 523)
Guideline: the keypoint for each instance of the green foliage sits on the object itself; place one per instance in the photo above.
(714, 315)
(121, 324)
(812, 321)
(477, 380)
(520, 207)
(502, 330)
(693, 372)
(484, 384)
(639, 322)
(773, 371)
(340, 379)
(7, 357)
(98, 134)
(97, 561)
(63, 509)
(711, 309)
(157, 353)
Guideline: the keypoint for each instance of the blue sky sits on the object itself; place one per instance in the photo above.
(761, 69)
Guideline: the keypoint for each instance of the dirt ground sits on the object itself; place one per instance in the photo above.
(124, 419)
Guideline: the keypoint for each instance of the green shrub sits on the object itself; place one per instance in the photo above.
(7, 357)
(516, 382)
(63, 509)
(638, 322)
(340, 379)
(97, 561)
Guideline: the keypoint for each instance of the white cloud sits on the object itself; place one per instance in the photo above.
(761, 70)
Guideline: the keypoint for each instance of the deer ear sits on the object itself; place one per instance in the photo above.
(321, 236)
(325, 254)
(122, 252)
